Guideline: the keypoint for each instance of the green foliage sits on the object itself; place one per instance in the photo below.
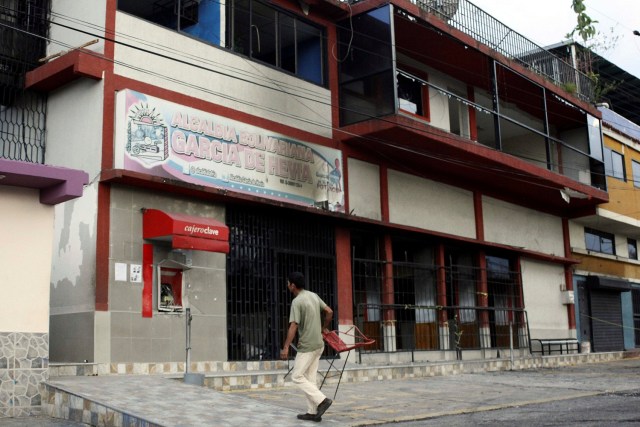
(594, 41)
(585, 25)
(569, 87)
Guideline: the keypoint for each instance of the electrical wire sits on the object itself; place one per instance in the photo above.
(224, 95)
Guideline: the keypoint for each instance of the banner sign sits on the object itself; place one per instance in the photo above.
(165, 139)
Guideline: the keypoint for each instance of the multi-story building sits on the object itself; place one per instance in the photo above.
(607, 279)
(410, 158)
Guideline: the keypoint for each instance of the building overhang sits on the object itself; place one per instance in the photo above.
(613, 222)
(56, 184)
(608, 283)
(415, 147)
(65, 69)
(185, 231)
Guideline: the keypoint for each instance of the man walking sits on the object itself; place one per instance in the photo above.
(305, 319)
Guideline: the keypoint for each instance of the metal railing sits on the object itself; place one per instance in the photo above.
(413, 328)
(483, 27)
(23, 30)
(537, 147)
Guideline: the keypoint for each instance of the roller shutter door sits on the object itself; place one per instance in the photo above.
(606, 313)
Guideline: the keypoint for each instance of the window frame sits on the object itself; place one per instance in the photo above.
(278, 63)
(609, 166)
(635, 174)
(422, 110)
(601, 236)
(632, 243)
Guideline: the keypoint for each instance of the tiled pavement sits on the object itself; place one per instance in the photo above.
(149, 400)
(165, 402)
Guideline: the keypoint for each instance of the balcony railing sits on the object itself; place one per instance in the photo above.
(483, 27)
(534, 144)
(23, 31)
(412, 328)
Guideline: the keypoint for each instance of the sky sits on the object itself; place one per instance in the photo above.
(547, 22)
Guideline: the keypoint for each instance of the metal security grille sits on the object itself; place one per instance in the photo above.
(417, 306)
(24, 27)
(635, 294)
(266, 246)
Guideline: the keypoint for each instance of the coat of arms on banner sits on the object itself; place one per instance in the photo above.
(147, 135)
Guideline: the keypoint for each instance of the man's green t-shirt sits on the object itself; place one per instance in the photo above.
(305, 311)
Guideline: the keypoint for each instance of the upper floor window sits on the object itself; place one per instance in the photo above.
(613, 164)
(599, 241)
(249, 27)
(636, 173)
(264, 33)
(199, 18)
(632, 246)
(413, 95)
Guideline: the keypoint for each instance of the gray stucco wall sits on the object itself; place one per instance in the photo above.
(162, 338)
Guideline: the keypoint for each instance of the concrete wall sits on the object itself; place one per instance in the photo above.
(123, 333)
(514, 225)
(74, 139)
(74, 126)
(364, 189)
(86, 16)
(576, 236)
(73, 277)
(430, 205)
(229, 80)
(541, 286)
(26, 227)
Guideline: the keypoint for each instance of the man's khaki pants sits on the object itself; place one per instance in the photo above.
(304, 376)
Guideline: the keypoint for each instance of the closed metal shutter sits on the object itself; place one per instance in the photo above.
(636, 314)
(606, 321)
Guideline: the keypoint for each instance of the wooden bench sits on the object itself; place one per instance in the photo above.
(563, 345)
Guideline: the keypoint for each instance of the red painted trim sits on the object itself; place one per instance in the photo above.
(67, 68)
(110, 29)
(520, 294)
(384, 193)
(479, 215)
(568, 272)
(333, 77)
(387, 287)
(441, 283)
(104, 190)
(571, 308)
(473, 121)
(102, 248)
(222, 195)
(483, 289)
(345, 285)
(147, 280)
(401, 141)
(121, 83)
(426, 104)
(566, 237)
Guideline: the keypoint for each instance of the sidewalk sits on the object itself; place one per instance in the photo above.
(148, 400)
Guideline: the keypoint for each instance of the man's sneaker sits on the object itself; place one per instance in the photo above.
(309, 417)
(322, 407)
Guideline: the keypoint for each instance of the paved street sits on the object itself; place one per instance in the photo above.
(609, 409)
(596, 394)
(589, 394)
